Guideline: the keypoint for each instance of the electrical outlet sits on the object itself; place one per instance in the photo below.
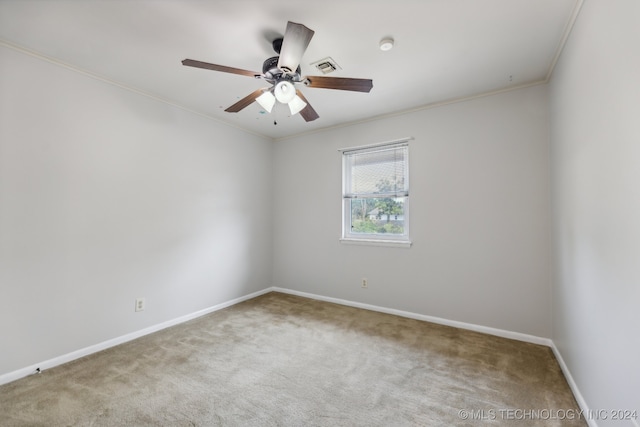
(140, 304)
(365, 284)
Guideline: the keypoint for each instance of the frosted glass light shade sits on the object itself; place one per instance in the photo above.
(266, 101)
(296, 105)
(284, 92)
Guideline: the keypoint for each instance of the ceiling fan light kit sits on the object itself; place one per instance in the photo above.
(283, 72)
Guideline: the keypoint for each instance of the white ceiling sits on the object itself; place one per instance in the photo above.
(444, 49)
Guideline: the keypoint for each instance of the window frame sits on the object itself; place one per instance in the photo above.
(374, 239)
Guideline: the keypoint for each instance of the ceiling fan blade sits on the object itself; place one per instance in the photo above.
(215, 67)
(244, 102)
(341, 83)
(295, 42)
(307, 113)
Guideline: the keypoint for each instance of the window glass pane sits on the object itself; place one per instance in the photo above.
(378, 216)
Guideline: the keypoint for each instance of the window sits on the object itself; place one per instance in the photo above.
(375, 194)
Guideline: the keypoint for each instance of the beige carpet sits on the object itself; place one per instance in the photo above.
(281, 360)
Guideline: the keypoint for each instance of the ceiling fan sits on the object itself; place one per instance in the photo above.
(283, 72)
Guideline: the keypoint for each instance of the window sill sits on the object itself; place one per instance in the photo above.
(372, 242)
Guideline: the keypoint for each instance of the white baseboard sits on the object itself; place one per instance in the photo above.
(47, 364)
(462, 325)
(572, 385)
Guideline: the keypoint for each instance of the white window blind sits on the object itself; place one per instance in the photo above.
(377, 172)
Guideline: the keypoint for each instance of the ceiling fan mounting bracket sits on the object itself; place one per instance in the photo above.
(277, 44)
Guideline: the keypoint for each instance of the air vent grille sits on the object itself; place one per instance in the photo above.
(326, 65)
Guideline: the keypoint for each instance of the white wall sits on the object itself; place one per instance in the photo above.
(107, 195)
(480, 215)
(595, 133)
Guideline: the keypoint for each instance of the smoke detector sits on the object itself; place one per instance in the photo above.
(386, 44)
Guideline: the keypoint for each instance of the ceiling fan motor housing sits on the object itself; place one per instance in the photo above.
(273, 73)
(270, 68)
